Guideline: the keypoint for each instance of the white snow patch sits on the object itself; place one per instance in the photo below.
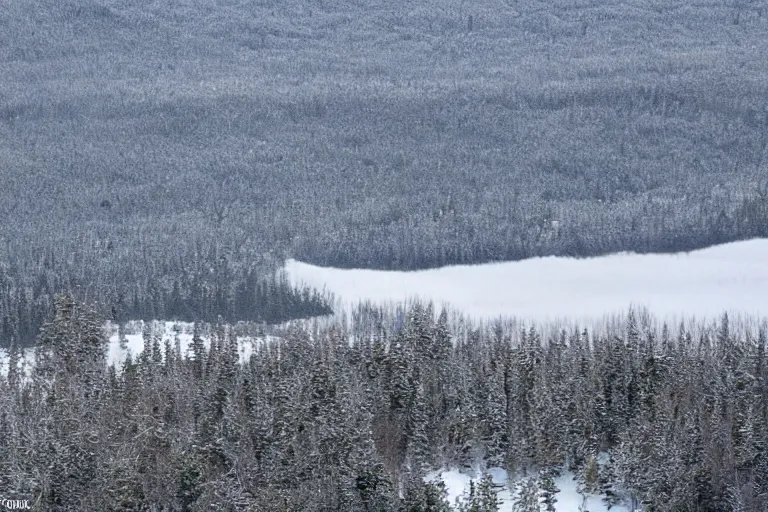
(24, 364)
(171, 331)
(703, 283)
(568, 497)
(134, 344)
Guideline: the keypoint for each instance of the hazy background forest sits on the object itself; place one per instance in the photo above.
(155, 153)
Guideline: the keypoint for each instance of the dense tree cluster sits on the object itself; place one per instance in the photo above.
(161, 161)
(337, 419)
(203, 287)
(136, 141)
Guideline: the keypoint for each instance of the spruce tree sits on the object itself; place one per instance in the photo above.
(526, 496)
(547, 490)
(425, 497)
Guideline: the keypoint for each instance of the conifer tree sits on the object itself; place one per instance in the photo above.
(425, 497)
(418, 450)
(487, 497)
(590, 475)
(527, 496)
(547, 490)
(198, 352)
(13, 366)
(608, 480)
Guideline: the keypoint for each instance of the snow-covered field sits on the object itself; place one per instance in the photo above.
(568, 497)
(702, 284)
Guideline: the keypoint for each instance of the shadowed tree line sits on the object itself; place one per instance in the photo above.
(205, 290)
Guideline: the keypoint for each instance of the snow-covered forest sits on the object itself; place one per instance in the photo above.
(151, 149)
(321, 417)
(297, 188)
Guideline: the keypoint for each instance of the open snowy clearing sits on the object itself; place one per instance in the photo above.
(705, 283)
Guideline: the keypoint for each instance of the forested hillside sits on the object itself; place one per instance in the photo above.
(145, 142)
(331, 419)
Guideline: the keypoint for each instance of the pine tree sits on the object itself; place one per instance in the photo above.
(157, 354)
(527, 496)
(418, 450)
(468, 501)
(633, 337)
(589, 476)
(73, 344)
(487, 496)
(608, 480)
(399, 374)
(426, 497)
(13, 366)
(442, 345)
(547, 490)
(198, 352)
(760, 423)
(146, 336)
(374, 486)
(122, 339)
(70, 373)
(190, 481)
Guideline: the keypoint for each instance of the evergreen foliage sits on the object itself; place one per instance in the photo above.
(314, 422)
(164, 162)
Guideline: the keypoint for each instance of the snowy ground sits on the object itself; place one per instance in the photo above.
(568, 498)
(702, 284)
(171, 331)
(134, 343)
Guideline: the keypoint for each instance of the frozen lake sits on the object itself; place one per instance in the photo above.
(705, 283)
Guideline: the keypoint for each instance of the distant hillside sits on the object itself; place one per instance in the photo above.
(138, 139)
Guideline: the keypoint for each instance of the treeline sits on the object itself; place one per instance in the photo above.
(675, 419)
(532, 228)
(206, 285)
